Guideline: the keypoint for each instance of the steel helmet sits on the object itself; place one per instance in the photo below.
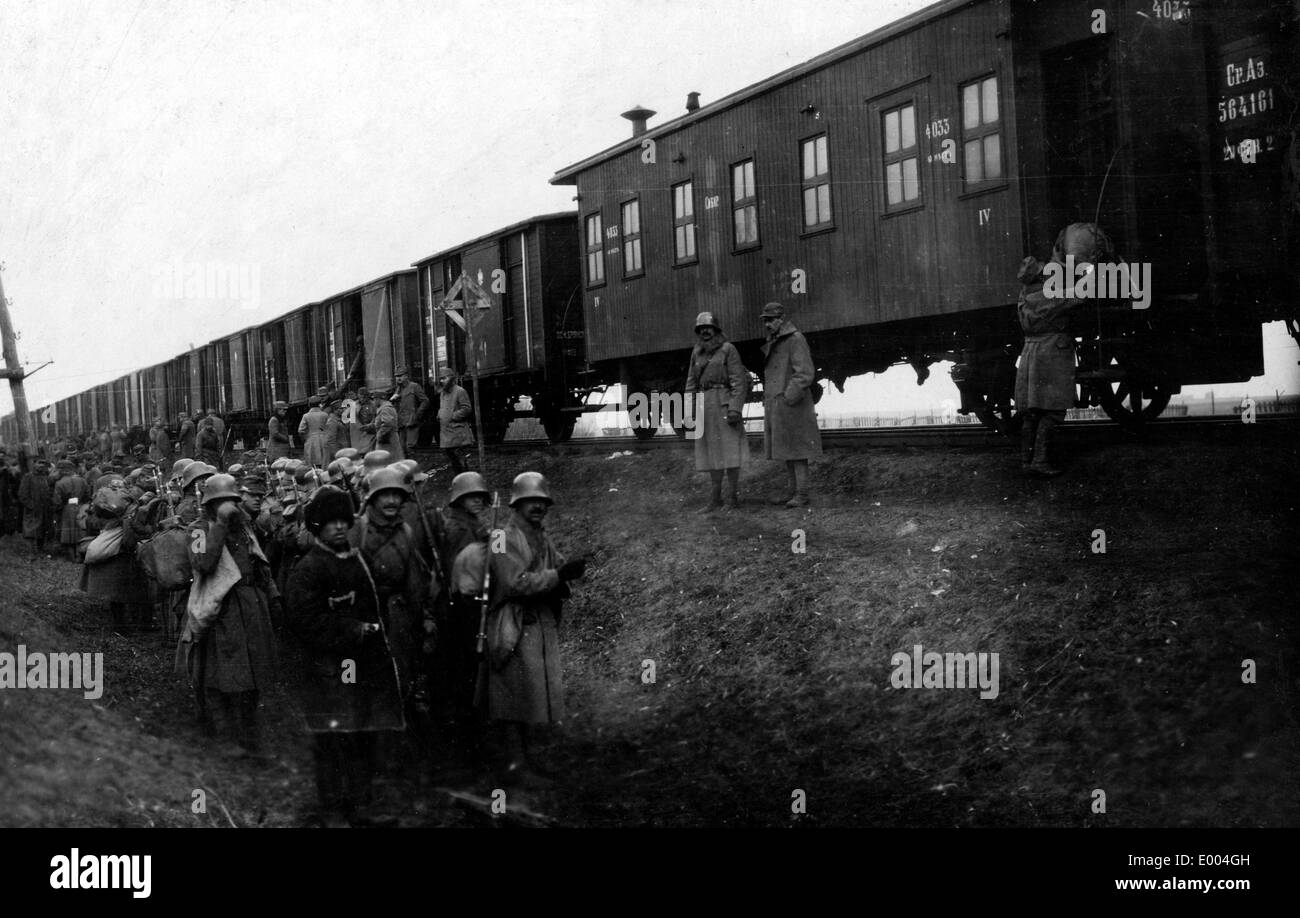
(279, 463)
(377, 458)
(338, 469)
(706, 318)
(388, 479)
(529, 484)
(196, 471)
(219, 486)
(179, 467)
(467, 483)
(347, 453)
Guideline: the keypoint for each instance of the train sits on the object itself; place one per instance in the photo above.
(884, 192)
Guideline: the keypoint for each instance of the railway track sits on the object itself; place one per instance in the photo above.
(973, 436)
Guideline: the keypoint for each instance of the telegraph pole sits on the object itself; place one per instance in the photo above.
(14, 372)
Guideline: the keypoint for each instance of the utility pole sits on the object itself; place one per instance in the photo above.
(14, 372)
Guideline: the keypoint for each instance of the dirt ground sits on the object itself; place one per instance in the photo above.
(1119, 672)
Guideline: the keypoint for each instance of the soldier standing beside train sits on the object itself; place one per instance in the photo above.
(1045, 375)
(411, 403)
(455, 433)
(719, 377)
(277, 440)
(789, 420)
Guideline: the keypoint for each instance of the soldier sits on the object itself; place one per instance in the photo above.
(361, 425)
(387, 435)
(277, 438)
(312, 429)
(529, 581)
(389, 547)
(160, 444)
(118, 578)
(334, 610)
(192, 482)
(117, 440)
(220, 427)
(10, 509)
(226, 646)
(1045, 375)
(789, 420)
(185, 433)
(455, 432)
(336, 433)
(36, 496)
(70, 493)
(411, 403)
(207, 445)
(717, 373)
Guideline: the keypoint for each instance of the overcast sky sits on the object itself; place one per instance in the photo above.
(301, 149)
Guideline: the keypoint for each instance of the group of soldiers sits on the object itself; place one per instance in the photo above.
(385, 606)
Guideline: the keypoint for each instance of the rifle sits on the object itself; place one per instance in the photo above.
(486, 590)
(438, 570)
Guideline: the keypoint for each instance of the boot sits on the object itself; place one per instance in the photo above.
(715, 494)
(1028, 431)
(800, 496)
(732, 499)
(790, 491)
(1042, 443)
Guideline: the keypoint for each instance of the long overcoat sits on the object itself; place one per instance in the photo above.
(277, 441)
(410, 402)
(526, 590)
(35, 495)
(1045, 374)
(790, 421)
(185, 437)
(720, 382)
(160, 445)
(312, 429)
(387, 435)
(330, 596)
(70, 492)
(454, 413)
(393, 557)
(237, 652)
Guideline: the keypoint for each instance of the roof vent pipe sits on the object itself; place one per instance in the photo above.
(692, 101)
(638, 116)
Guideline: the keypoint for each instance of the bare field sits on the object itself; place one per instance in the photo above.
(1119, 672)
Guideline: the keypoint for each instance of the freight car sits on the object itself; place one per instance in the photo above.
(887, 190)
(530, 344)
(531, 341)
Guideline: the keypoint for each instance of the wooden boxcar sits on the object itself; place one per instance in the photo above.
(890, 187)
(531, 341)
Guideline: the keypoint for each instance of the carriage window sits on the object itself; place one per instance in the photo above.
(902, 159)
(684, 224)
(595, 251)
(633, 266)
(980, 131)
(744, 206)
(816, 183)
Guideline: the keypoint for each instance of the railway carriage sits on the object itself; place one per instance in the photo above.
(531, 341)
(886, 191)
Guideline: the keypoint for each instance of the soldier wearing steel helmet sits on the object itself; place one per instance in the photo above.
(529, 581)
(718, 375)
(390, 549)
(195, 476)
(227, 645)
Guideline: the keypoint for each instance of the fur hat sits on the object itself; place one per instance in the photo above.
(329, 503)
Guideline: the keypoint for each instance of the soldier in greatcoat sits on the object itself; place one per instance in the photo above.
(1045, 374)
(455, 414)
(529, 581)
(333, 610)
(35, 494)
(160, 443)
(411, 402)
(185, 433)
(312, 430)
(70, 494)
(719, 377)
(388, 437)
(277, 435)
(227, 646)
(789, 420)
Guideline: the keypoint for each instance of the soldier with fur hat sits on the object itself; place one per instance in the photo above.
(333, 610)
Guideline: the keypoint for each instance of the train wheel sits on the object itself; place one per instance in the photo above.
(1131, 402)
(559, 427)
